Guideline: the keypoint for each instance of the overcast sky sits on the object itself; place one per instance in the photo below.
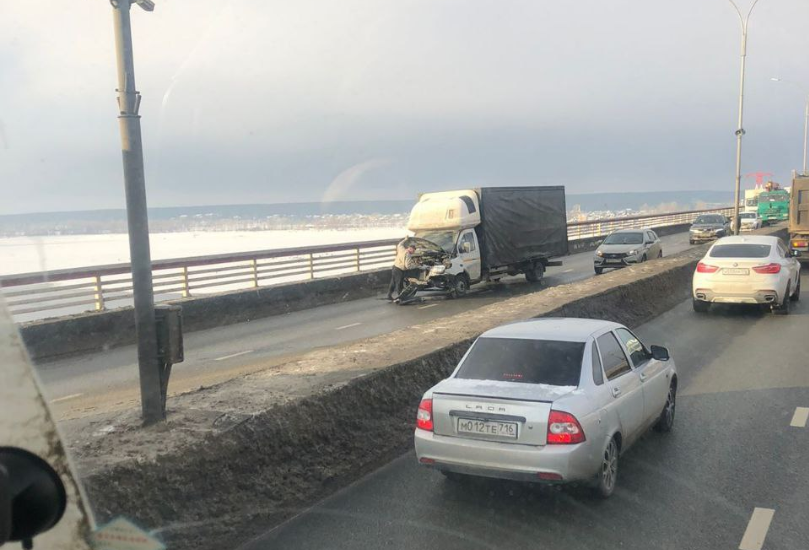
(279, 101)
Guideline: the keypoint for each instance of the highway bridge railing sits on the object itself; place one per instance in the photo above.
(97, 288)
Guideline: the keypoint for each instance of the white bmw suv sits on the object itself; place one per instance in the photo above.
(748, 270)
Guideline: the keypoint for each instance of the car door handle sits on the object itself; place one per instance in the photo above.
(642, 376)
(616, 392)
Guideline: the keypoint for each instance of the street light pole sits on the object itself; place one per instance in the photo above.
(137, 216)
(806, 135)
(743, 20)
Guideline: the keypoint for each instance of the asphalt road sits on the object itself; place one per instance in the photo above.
(216, 355)
(732, 474)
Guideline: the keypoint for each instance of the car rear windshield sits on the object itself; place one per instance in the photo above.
(624, 238)
(709, 219)
(740, 251)
(748, 216)
(528, 361)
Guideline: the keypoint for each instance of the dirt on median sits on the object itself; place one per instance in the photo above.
(238, 457)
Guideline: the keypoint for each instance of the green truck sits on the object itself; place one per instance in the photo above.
(773, 206)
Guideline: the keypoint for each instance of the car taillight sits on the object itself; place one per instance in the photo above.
(424, 418)
(768, 269)
(799, 244)
(705, 268)
(564, 429)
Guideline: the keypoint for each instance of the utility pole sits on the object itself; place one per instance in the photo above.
(805, 136)
(136, 213)
(743, 20)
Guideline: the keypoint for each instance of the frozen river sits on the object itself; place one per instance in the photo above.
(29, 254)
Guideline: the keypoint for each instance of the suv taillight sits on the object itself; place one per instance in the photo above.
(564, 429)
(424, 418)
(705, 268)
(768, 269)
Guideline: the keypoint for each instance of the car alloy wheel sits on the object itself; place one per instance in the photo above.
(609, 470)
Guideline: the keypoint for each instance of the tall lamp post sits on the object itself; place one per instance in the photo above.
(743, 21)
(136, 213)
(805, 120)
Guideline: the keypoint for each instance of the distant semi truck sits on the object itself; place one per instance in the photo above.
(799, 216)
(751, 199)
(474, 235)
(773, 206)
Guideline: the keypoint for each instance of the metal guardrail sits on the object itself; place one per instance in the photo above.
(34, 295)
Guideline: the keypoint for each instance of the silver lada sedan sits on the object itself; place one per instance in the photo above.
(550, 400)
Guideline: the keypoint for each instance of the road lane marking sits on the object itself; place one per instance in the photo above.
(756, 531)
(232, 355)
(65, 398)
(800, 417)
(348, 326)
(425, 307)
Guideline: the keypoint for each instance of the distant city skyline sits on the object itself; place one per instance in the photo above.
(279, 102)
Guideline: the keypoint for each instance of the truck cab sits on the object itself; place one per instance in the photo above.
(443, 226)
(773, 206)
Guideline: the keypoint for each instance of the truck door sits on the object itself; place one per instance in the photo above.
(469, 253)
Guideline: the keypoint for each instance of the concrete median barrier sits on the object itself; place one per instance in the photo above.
(90, 332)
(239, 457)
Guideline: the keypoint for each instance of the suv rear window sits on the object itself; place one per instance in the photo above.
(740, 251)
(528, 361)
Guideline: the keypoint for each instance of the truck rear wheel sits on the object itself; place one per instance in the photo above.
(534, 273)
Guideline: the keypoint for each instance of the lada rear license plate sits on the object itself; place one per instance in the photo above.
(487, 427)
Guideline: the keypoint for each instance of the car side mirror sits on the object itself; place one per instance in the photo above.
(660, 353)
(32, 496)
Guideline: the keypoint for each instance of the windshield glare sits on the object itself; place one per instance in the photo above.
(444, 239)
(527, 361)
(624, 238)
(740, 251)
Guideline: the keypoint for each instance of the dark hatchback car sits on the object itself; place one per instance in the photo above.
(708, 227)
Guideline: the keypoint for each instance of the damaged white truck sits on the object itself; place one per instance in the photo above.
(474, 235)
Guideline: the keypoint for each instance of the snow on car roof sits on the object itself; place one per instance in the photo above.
(564, 329)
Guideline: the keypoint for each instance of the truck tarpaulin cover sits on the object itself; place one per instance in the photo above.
(520, 223)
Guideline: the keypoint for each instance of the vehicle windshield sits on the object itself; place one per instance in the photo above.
(752, 202)
(740, 251)
(444, 239)
(522, 360)
(774, 196)
(624, 238)
(747, 215)
(709, 220)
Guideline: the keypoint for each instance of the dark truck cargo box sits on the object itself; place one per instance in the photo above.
(521, 223)
(799, 206)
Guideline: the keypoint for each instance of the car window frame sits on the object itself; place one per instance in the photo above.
(595, 355)
(651, 237)
(623, 351)
(468, 237)
(627, 352)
